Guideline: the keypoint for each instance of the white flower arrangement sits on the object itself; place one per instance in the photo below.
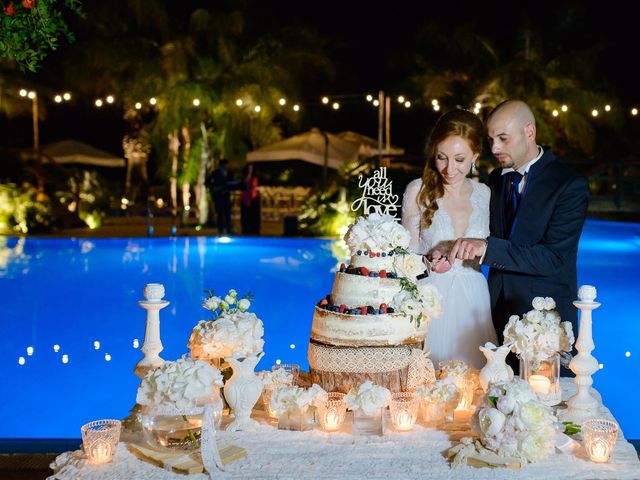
(279, 376)
(290, 399)
(456, 371)
(183, 384)
(539, 334)
(439, 392)
(368, 398)
(231, 303)
(236, 332)
(512, 422)
(421, 302)
(409, 266)
(378, 233)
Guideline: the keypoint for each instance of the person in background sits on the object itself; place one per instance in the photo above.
(221, 194)
(250, 201)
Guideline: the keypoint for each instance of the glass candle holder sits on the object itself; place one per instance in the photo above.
(296, 419)
(332, 412)
(292, 368)
(100, 440)
(404, 410)
(364, 424)
(432, 413)
(467, 387)
(600, 437)
(544, 378)
(266, 400)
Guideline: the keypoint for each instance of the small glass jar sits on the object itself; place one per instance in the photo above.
(100, 440)
(332, 411)
(404, 410)
(292, 368)
(266, 400)
(364, 424)
(600, 437)
(296, 419)
(543, 377)
(172, 432)
(432, 413)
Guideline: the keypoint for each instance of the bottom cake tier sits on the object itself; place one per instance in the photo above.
(398, 368)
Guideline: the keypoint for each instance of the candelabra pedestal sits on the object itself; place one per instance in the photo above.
(586, 402)
(152, 346)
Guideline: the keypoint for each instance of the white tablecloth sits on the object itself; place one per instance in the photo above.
(421, 453)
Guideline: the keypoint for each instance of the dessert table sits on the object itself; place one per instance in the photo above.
(421, 453)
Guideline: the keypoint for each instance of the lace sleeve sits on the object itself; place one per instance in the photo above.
(485, 197)
(411, 214)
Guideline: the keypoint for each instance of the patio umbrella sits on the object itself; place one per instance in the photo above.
(73, 151)
(314, 146)
(368, 145)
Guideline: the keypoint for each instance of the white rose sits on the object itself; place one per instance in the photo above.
(212, 303)
(244, 305)
(538, 303)
(537, 445)
(233, 293)
(230, 300)
(491, 421)
(534, 316)
(506, 404)
(409, 266)
(431, 299)
(549, 303)
(368, 398)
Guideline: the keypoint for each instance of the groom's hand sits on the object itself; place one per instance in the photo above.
(468, 248)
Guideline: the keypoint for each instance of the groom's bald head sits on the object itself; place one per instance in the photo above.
(512, 133)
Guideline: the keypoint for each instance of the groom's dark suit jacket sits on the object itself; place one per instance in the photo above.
(537, 258)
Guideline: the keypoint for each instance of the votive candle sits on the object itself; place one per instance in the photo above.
(540, 383)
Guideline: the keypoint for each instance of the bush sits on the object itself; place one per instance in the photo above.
(24, 210)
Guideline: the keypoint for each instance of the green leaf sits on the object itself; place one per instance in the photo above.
(493, 400)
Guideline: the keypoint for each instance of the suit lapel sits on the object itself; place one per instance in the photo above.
(534, 177)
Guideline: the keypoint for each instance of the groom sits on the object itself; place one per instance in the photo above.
(537, 211)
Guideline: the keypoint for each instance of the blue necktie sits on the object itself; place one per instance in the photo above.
(513, 199)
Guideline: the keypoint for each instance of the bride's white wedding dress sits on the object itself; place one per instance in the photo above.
(465, 322)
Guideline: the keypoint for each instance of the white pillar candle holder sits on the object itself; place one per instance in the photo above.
(152, 346)
(584, 404)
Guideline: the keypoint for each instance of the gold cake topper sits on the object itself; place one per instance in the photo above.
(377, 194)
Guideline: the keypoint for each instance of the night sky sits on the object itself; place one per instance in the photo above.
(374, 48)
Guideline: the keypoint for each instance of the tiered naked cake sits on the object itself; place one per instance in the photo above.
(374, 322)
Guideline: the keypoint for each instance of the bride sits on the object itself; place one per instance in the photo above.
(438, 208)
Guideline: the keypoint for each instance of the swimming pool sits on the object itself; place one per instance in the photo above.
(73, 301)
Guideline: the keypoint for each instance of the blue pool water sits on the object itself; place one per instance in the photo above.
(75, 292)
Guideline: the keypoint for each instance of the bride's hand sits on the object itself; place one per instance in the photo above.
(439, 263)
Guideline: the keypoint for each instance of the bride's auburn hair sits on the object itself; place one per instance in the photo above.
(460, 123)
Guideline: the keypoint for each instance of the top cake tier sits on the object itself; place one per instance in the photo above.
(377, 234)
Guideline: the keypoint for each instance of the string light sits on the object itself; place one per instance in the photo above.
(554, 113)
(282, 102)
(594, 113)
(29, 351)
(478, 105)
(239, 102)
(607, 108)
(66, 96)
(296, 108)
(376, 102)
(138, 105)
(278, 361)
(153, 100)
(196, 102)
(369, 97)
(434, 102)
(21, 361)
(98, 103)
(601, 366)
(57, 98)
(292, 346)
(476, 110)
(110, 99)
(136, 343)
(107, 357)
(325, 100)
(23, 92)
(436, 107)
(257, 108)
(407, 104)
(65, 358)
(564, 108)
(31, 94)
(96, 345)
(336, 106)
(627, 354)
(401, 99)
(634, 111)
(56, 348)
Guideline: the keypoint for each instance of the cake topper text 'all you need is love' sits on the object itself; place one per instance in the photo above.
(377, 194)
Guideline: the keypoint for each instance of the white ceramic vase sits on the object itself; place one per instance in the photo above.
(496, 369)
(243, 390)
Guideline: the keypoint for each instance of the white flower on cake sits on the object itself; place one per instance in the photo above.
(183, 384)
(368, 398)
(233, 332)
(513, 422)
(289, 399)
(378, 233)
(230, 304)
(409, 266)
(540, 333)
(430, 298)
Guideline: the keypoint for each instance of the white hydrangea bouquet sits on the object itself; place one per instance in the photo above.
(440, 393)
(377, 233)
(368, 398)
(514, 427)
(539, 334)
(291, 399)
(233, 330)
(182, 385)
(276, 377)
